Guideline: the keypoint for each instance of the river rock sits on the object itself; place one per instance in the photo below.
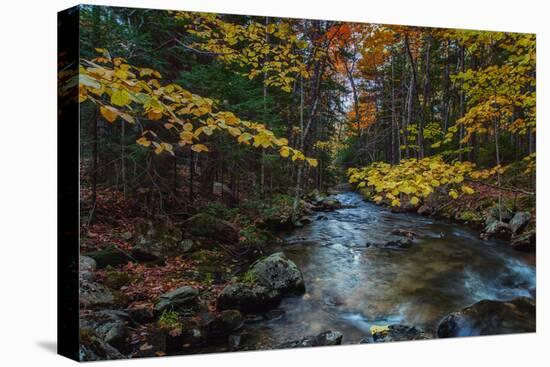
(404, 233)
(183, 297)
(107, 325)
(94, 295)
(158, 239)
(248, 298)
(278, 273)
(326, 338)
(224, 324)
(208, 226)
(392, 242)
(490, 317)
(93, 348)
(498, 230)
(395, 333)
(110, 256)
(525, 242)
(328, 204)
(519, 221)
(87, 266)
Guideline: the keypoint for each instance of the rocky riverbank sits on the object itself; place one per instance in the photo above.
(193, 286)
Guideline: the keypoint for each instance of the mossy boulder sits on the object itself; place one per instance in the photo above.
(110, 256)
(182, 297)
(158, 240)
(278, 273)
(208, 226)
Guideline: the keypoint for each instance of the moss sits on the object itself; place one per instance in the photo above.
(470, 216)
(249, 278)
(117, 279)
(169, 320)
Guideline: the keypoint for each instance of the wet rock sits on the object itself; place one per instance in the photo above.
(109, 256)
(525, 242)
(326, 338)
(395, 333)
(404, 233)
(247, 297)
(276, 272)
(498, 230)
(208, 226)
(158, 240)
(182, 297)
(519, 221)
(392, 242)
(224, 324)
(328, 204)
(490, 317)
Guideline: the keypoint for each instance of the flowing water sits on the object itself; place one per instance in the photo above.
(350, 287)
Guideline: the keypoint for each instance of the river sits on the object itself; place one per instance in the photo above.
(351, 287)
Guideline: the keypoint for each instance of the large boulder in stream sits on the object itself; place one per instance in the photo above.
(490, 317)
(278, 273)
(208, 226)
(268, 280)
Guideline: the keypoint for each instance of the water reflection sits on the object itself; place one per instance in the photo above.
(351, 287)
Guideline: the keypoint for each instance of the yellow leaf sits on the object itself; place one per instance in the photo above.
(245, 137)
(414, 200)
(109, 113)
(453, 194)
(120, 98)
(199, 148)
(143, 141)
(154, 115)
(312, 162)
(284, 152)
(467, 190)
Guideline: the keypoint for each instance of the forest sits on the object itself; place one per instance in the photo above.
(259, 182)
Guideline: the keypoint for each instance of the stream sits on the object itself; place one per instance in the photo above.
(350, 287)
